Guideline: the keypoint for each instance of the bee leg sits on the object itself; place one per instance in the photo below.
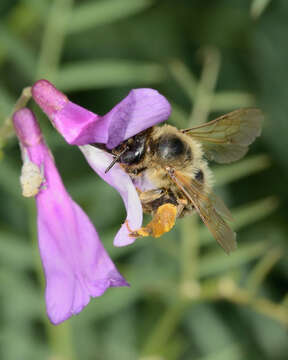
(182, 203)
(162, 222)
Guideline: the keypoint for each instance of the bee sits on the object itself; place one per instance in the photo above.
(169, 168)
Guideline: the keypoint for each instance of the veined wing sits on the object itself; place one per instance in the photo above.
(227, 138)
(210, 208)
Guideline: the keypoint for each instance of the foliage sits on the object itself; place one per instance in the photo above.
(188, 300)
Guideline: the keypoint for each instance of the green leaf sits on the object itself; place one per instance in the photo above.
(17, 51)
(99, 74)
(260, 271)
(231, 100)
(53, 39)
(22, 299)
(95, 13)
(6, 103)
(114, 301)
(249, 214)
(231, 352)
(119, 342)
(225, 174)
(245, 215)
(15, 253)
(184, 77)
(178, 117)
(219, 262)
(258, 6)
(9, 179)
(203, 317)
(28, 345)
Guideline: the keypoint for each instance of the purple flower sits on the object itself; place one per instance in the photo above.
(75, 262)
(141, 109)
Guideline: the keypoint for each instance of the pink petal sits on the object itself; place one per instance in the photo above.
(116, 177)
(76, 265)
(74, 123)
(141, 109)
(50, 99)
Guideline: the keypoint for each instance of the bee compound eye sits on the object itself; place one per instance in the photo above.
(170, 147)
(134, 153)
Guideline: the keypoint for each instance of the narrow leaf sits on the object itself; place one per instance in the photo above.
(258, 7)
(219, 262)
(99, 74)
(225, 174)
(184, 77)
(15, 252)
(231, 100)
(95, 13)
(17, 51)
(6, 103)
(246, 215)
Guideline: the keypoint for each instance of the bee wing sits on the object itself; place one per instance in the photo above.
(227, 138)
(211, 209)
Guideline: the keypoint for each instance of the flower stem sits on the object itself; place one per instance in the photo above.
(61, 341)
(6, 130)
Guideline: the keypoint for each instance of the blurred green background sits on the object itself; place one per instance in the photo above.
(188, 299)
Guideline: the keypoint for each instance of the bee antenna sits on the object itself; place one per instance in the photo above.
(116, 158)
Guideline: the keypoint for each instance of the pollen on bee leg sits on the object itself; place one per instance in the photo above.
(162, 222)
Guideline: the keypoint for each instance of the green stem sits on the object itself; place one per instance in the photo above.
(53, 39)
(178, 116)
(262, 268)
(6, 130)
(184, 78)
(61, 341)
(261, 305)
(227, 289)
(206, 86)
(164, 329)
(22, 100)
(246, 167)
(231, 100)
(189, 287)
